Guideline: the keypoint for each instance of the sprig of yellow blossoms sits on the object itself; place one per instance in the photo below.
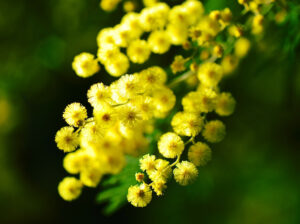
(124, 111)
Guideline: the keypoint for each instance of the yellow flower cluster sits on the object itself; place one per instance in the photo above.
(124, 111)
(162, 26)
(122, 114)
(255, 7)
(192, 26)
(190, 122)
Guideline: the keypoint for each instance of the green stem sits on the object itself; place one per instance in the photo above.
(121, 104)
(181, 78)
(190, 140)
(176, 161)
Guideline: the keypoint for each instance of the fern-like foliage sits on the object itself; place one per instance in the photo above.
(115, 187)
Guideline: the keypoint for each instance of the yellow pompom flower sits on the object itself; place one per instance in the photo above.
(159, 187)
(226, 16)
(153, 76)
(147, 163)
(71, 163)
(257, 24)
(199, 101)
(91, 176)
(207, 98)
(139, 177)
(178, 34)
(158, 42)
(129, 6)
(215, 15)
(132, 22)
(123, 35)
(130, 116)
(105, 116)
(214, 131)
(204, 40)
(199, 154)
(136, 144)
(145, 106)
(178, 64)
(108, 53)
(187, 124)
(210, 74)
(102, 146)
(243, 2)
(106, 37)
(170, 145)
(85, 65)
(185, 173)
(194, 9)
(162, 171)
(164, 100)
(75, 114)
(116, 96)
(179, 15)
(235, 31)
(109, 5)
(66, 139)
(128, 86)
(118, 66)
(98, 95)
(139, 196)
(113, 162)
(154, 17)
(128, 132)
(209, 26)
(138, 51)
(69, 188)
(140, 141)
(225, 104)
(218, 51)
(193, 67)
(241, 47)
(149, 3)
(90, 132)
(76, 161)
(229, 64)
(253, 6)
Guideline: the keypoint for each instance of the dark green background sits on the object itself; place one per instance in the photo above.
(253, 177)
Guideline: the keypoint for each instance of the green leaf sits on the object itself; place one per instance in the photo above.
(116, 186)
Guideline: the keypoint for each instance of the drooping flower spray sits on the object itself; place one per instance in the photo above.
(126, 111)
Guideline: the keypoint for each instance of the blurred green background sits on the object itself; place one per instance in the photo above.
(253, 177)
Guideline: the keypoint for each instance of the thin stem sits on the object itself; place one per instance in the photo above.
(212, 59)
(91, 119)
(181, 78)
(79, 129)
(190, 140)
(121, 104)
(188, 74)
(176, 161)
